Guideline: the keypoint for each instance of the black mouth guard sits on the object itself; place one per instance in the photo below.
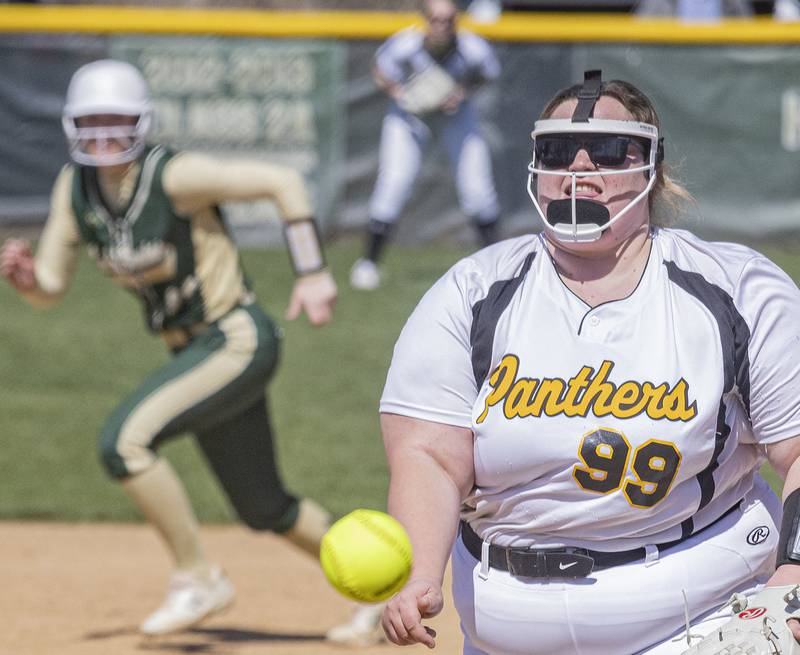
(587, 212)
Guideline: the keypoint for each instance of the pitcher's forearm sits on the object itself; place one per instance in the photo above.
(426, 501)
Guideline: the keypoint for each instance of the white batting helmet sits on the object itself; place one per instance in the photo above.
(111, 87)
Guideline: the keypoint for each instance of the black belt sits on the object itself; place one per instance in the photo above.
(561, 562)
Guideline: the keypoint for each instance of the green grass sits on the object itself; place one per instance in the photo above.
(63, 370)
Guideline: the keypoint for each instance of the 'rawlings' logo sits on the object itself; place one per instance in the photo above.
(752, 613)
(758, 535)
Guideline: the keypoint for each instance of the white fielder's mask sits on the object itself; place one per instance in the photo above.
(556, 142)
(107, 87)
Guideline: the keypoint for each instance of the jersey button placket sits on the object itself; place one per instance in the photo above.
(592, 328)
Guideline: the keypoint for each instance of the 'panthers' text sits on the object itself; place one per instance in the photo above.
(588, 391)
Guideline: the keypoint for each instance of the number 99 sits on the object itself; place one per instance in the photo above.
(605, 455)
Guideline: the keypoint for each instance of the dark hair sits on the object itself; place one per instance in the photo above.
(667, 194)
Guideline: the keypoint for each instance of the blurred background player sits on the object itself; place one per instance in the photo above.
(429, 76)
(150, 219)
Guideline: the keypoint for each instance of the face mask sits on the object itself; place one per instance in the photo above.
(615, 147)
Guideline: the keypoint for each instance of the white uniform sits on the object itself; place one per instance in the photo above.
(633, 423)
(404, 136)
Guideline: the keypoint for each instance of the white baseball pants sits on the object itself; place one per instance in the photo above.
(403, 140)
(637, 608)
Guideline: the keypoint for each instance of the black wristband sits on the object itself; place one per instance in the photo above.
(788, 546)
(305, 246)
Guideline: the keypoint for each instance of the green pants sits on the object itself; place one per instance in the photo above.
(215, 388)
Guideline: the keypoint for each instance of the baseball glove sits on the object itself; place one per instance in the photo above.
(427, 90)
(758, 626)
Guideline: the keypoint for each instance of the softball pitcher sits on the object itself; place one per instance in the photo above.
(429, 76)
(581, 414)
(150, 219)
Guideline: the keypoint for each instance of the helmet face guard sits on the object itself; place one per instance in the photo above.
(107, 87)
(131, 138)
(556, 142)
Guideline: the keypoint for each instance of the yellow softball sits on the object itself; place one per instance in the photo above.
(366, 555)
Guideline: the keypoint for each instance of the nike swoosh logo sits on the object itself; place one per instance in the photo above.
(563, 567)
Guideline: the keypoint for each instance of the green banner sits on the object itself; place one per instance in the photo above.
(731, 121)
(279, 101)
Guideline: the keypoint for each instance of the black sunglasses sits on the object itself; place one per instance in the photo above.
(559, 150)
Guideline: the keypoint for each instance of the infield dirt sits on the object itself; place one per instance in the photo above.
(81, 589)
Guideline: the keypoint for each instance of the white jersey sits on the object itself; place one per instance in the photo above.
(638, 421)
(470, 62)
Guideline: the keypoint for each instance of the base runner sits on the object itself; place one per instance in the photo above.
(150, 219)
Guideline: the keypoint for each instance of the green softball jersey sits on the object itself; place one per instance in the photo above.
(158, 231)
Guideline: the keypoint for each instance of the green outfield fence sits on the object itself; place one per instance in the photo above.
(728, 93)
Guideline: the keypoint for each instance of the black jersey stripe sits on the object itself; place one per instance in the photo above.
(485, 315)
(734, 337)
